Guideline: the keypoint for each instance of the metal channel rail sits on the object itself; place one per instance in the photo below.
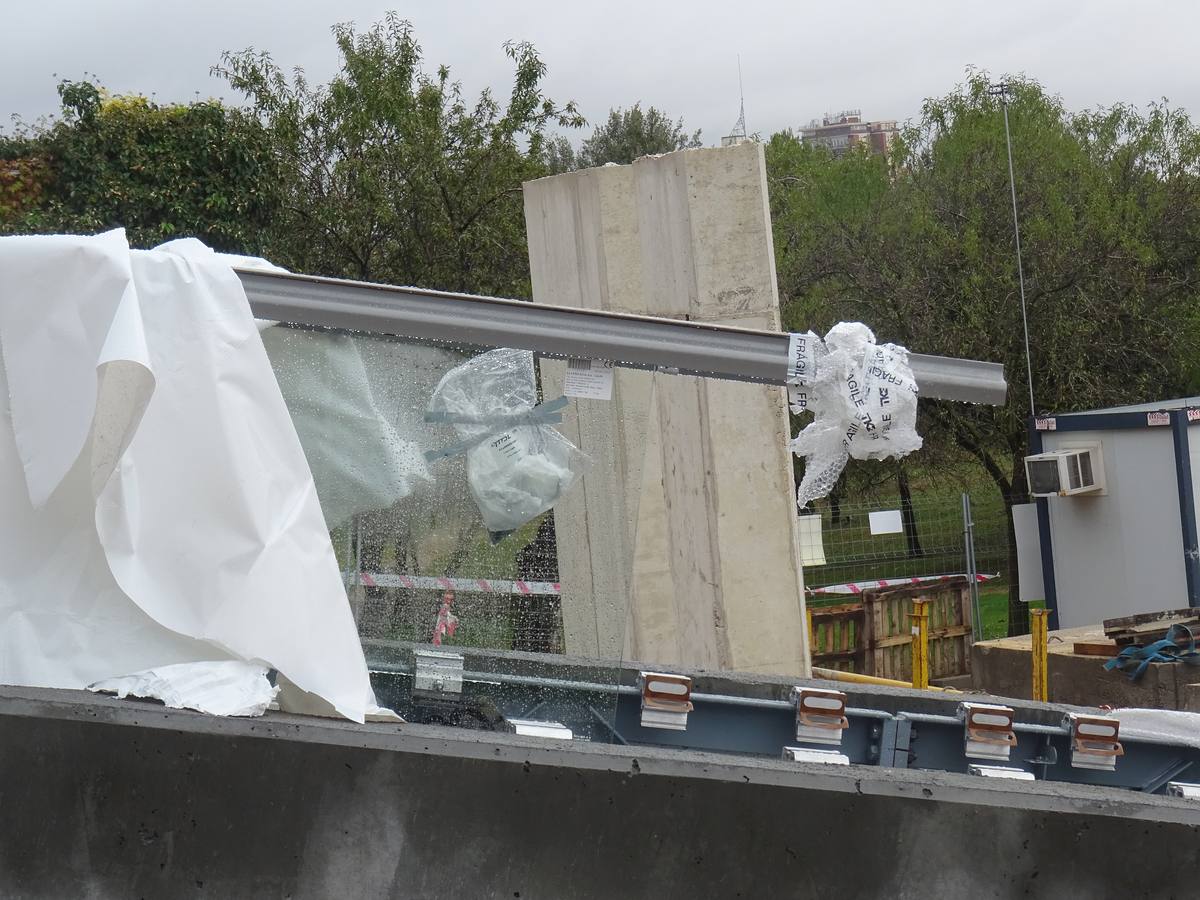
(640, 342)
(967, 734)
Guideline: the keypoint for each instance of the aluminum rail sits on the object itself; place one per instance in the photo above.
(641, 342)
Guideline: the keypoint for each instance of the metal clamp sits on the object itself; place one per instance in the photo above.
(988, 730)
(1094, 743)
(666, 700)
(812, 754)
(1184, 789)
(1000, 772)
(538, 728)
(438, 675)
(820, 715)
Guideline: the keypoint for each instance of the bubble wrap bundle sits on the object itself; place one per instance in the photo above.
(863, 397)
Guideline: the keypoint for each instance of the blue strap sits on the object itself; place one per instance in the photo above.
(1179, 645)
(548, 413)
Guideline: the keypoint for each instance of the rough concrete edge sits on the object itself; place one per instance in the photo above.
(910, 784)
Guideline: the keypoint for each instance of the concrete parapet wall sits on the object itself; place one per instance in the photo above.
(182, 805)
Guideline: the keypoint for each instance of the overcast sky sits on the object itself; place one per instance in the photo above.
(799, 59)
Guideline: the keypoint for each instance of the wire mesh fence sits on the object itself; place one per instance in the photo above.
(848, 546)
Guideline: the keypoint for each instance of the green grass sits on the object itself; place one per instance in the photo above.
(993, 610)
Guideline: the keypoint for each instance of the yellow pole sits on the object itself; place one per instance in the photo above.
(812, 638)
(1041, 681)
(920, 644)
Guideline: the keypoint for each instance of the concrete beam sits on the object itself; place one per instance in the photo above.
(690, 511)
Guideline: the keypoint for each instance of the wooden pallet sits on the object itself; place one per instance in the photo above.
(1146, 628)
(873, 635)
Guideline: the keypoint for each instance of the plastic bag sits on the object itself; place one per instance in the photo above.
(517, 464)
(864, 399)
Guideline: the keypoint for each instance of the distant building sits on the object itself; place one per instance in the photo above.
(847, 129)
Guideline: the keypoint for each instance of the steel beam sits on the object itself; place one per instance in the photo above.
(641, 342)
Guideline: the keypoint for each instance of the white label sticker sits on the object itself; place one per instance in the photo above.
(590, 379)
(1158, 418)
(1045, 424)
(802, 358)
(916, 630)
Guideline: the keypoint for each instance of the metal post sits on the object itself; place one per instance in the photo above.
(812, 637)
(1001, 91)
(1041, 681)
(1045, 544)
(920, 644)
(972, 567)
(1187, 504)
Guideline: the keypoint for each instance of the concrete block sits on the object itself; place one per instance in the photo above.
(1190, 696)
(1004, 668)
(697, 470)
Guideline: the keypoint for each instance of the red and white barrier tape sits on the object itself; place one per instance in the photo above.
(554, 588)
(857, 587)
(465, 585)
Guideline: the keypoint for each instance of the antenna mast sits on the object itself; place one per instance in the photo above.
(739, 128)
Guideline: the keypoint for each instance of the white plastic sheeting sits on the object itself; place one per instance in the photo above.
(158, 508)
(230, 687)
(1163, 726)
(863, 397)
(360, 462)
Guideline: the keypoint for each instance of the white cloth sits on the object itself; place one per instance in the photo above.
(158, 508)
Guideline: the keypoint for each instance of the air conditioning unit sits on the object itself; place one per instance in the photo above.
(1066, 472)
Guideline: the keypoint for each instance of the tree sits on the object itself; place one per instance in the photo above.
(630, 133)
(389, 174)
(559, 156)
(199, 169)
(920, 246)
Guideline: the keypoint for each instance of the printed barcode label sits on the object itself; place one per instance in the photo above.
(589, 379)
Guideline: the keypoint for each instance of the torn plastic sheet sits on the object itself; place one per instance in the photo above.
(158, 508)
(228, 687)
(1162, 726)
(359, 461)
(517, 464)
(864, 399)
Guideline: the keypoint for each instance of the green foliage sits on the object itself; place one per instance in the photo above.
(630, 133)
(921, 247)
(162, 172)
(559, 156)
(389, 174)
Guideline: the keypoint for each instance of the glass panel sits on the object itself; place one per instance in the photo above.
(454, 498)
